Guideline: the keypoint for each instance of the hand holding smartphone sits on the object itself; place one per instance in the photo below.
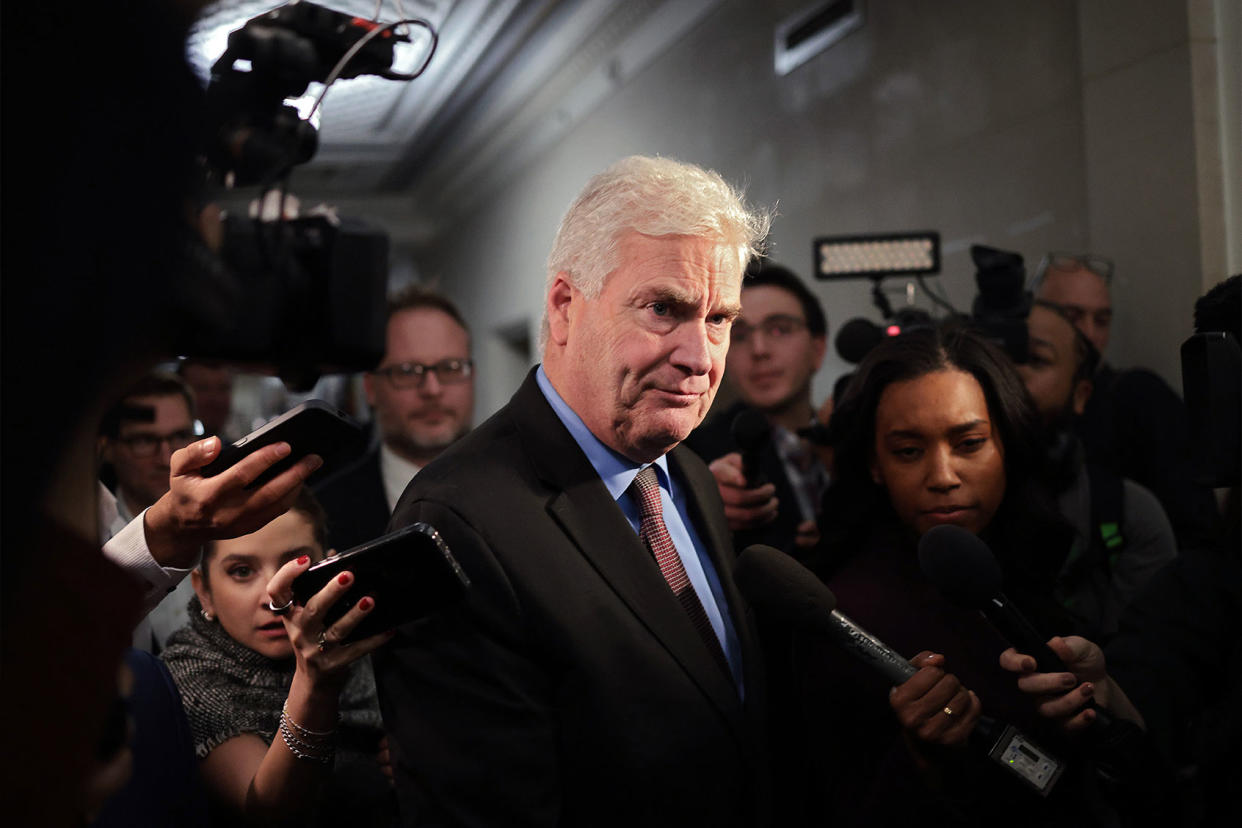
(410, 574)
(314, 427)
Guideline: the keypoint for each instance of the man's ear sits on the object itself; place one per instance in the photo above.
(103, 450)
(1082, 393)
(561, 308)
(876, 477)
(201, 590)
(819, 347)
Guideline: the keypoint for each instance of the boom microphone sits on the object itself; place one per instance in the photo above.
(751, 433)
(776, 583)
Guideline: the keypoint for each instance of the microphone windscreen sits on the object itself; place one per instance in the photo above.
(750, 429)
(774, 582)
(960, 565)
(856, 339)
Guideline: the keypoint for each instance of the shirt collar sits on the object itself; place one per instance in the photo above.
(396, 472)
(616, 470)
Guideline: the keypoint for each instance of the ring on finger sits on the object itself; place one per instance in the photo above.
(324, 643)
(948, 711)
(279, 610)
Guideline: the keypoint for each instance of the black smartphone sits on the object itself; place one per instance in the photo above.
(410, 574)
(314, 427)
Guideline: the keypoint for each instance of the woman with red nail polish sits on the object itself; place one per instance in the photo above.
(281, 714)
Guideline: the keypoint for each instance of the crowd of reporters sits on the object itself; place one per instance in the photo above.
(1150, 635)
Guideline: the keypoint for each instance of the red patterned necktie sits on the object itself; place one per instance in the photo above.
(646, 493)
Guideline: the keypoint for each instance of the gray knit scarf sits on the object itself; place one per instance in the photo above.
(228, 689)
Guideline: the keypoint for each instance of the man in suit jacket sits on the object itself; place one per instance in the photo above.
(422, 394)
(573, 686)
(777, 346)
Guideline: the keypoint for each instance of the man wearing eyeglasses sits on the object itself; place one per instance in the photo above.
(1078, 286)
(139, 435)
(777, 346)
(154, 418)
(422, 393)
(1134, 423)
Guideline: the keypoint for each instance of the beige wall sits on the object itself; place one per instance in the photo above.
(1026, 126)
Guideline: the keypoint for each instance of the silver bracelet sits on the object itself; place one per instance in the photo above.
(305, 732)
(305, 743)
(302, 750)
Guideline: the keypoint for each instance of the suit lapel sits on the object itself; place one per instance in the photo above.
(582, 506)
(715, 535)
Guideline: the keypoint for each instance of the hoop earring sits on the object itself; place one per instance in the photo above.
(207, 615)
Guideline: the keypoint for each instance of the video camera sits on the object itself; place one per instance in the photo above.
(305, 295)
(998, 313)
(1002, 304)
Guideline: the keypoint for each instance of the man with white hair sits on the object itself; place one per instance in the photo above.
(602, 670)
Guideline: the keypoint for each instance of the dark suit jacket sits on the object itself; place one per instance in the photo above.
(571, 688)
(715, 439)
(355, 502)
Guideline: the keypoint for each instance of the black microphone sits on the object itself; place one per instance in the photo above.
(775, 583)
(967, 574)
(751, 433)
(856, 339)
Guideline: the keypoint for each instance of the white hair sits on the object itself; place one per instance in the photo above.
(654, 197)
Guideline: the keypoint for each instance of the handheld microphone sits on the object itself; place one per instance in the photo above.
(751, 432)
(967, 574)
(966, 571)
(775, 583)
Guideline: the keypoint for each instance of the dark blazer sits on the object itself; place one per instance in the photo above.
(571, 688)
(715, 439)
(355, 502)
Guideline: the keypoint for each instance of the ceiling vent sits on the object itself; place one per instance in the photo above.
(805, 34)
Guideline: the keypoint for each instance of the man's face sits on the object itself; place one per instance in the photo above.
(1049, 371)
(213, 393)
(773, 356)
(140, 452)
(644, 359)
(421, 421)
(1083, 296)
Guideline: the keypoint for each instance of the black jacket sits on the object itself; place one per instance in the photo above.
(571, 688)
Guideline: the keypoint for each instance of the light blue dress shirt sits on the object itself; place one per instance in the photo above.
(618, 473)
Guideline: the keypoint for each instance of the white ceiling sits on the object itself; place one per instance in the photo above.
(508, 79)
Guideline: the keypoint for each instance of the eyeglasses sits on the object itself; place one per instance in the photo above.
(411, 374)
(146, 445)
(1101, 266)
(776, 328)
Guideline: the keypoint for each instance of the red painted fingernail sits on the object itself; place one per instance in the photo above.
(302, 560)
(366, 603)
(343, 578)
